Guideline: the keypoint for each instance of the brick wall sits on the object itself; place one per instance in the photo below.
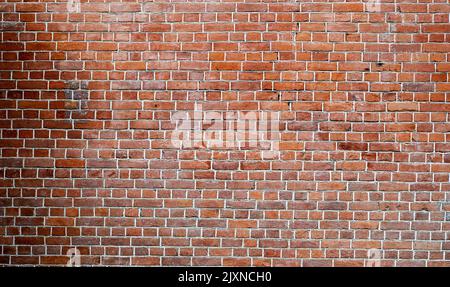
(358, 170)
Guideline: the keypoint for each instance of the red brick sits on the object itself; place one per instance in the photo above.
(87, 106)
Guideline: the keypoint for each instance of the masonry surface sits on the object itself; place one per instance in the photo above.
(86, 104)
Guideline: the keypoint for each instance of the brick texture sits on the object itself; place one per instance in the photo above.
(86, 104)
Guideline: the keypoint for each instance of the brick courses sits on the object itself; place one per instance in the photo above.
(87, 96)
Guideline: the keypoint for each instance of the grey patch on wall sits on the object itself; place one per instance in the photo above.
(11, 26)
(76, 95)
(445, 207)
